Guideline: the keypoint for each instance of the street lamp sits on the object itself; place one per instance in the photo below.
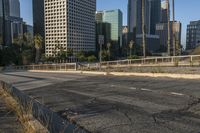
(131, 47)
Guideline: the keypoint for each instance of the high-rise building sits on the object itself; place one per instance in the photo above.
(38, 17)
(14, 8)
(99, 16)
(193, 35)
(164, 14)
(152, 15)
(155, 16)
(162, 31)
(10, 21)
(69, 24)
(103, 28)
(114, 18)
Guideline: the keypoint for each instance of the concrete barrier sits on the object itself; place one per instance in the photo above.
(48, 118)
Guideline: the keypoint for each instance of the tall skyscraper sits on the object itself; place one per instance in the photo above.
(164, 17)
(193, 35)
(14, 8)
(38, 17)
(69, 24)
(152, 15)
(114, 18)
(10, 21)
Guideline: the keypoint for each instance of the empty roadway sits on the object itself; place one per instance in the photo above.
(109, 104)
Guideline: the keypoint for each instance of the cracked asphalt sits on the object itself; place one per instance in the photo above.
(108, 104)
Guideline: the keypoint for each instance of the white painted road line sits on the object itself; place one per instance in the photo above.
(149, 90)
(133, 88)
(177, 94)
(143, 89)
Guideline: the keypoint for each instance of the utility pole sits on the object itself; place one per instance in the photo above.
(143, 29)
(173, 29)
(169, 25)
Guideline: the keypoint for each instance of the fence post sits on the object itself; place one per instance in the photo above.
(156, 60)
(191, 60)
(75, 67)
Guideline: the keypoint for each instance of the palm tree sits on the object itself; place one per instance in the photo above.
(38, 40)
(131, 47)
(169, 35)
(109, 52)
(143, 29)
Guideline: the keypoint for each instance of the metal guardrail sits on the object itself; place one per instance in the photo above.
(191, 60)
(48, 118)
(170, 61)
(48, 67)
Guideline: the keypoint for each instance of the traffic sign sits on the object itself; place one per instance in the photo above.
(101, 39)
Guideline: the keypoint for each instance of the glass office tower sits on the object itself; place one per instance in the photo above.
(38, 17)
(114, 17)
(152, 15)
(11, 23)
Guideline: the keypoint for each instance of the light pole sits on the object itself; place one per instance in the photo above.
(168, 28)
(109, 52)
(173, 29)
(101, 42)
(131, 47)
(143, 29)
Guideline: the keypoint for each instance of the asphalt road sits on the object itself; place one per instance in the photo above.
(108, 104)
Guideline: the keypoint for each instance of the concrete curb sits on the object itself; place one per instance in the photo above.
(155, 75)
(48, 118)
(73, 72)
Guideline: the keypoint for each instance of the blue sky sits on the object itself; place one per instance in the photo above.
(186, 10)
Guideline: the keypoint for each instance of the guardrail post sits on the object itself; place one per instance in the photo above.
(75, 67)
(156, 60)
(191, 60)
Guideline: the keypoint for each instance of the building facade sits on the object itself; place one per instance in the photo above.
(164, 14)
(28, 29)
(14, 8)
(114, 17)
(38, 17)
(152, 43)
(69, 24)
(10, 21)
(114, 32)
(193, 35)
(103, 28)
(162, 31)
(152, 15)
